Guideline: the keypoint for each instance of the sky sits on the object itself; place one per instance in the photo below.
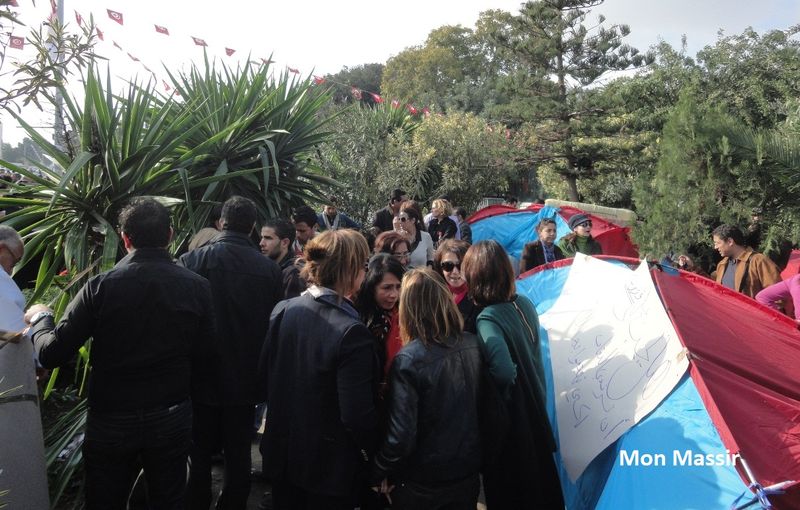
(322, 36)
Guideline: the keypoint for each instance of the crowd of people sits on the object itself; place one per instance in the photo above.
(403, 372)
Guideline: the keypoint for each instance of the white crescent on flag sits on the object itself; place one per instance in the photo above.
(116, 16)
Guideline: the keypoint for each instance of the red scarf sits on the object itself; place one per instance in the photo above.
(459, 293)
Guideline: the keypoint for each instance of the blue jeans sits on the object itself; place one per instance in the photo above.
(118, 443)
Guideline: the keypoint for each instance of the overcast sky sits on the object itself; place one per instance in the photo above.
(321, 36)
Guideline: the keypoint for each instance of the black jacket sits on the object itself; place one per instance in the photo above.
(433, 433)
(245, 286)
(152, 325)
(442, 229)
(383, 219)
(293, 283)
(320, 372)
(533, 256)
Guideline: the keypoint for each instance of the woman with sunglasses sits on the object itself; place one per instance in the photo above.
(543, 250)
(394, 244)
(377, 304)
(522, 473)
(447, 262)
(408, 223)
(431, 455)
(580, 239)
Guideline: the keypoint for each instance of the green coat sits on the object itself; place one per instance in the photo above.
(571, 244)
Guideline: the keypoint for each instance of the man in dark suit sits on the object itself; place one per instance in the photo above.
(245, 286)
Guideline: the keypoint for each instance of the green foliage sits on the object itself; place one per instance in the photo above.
(363, 77)
(359, 152)
(714, 170)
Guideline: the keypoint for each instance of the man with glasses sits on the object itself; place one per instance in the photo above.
(22, 449)
(580, 239)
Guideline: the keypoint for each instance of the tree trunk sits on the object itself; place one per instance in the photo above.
(572, 183)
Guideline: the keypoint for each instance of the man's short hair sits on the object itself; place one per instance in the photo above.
(283, 228)
(397, 195)
(146, 222)
(305, 214)
(461, 212)
(239, 214)
(9, 236)
(726, 232)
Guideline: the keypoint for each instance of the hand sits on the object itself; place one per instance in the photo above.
(384, 488)
(34, 310)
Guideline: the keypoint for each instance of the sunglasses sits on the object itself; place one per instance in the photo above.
(585, 224)
(403, 218)
(449, 266)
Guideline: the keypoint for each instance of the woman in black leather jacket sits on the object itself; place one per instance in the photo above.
(431, 455)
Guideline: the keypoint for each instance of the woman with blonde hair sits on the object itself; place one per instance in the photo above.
(321, 377)
(441, 227)
(431, 455)
(523, 473)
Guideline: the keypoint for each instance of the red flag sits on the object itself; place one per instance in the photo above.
(426, 111)
(378, 99)
(199, 41)
(100, 34)
(293, 70)
(229, 51)
(356, 93)
(78, 18)
(13, 3)
(117, 46)
(133, 58)
(116, 16)
(319, 80)
(166, 86)
(161, 30)
(411, 109)
(16, 42)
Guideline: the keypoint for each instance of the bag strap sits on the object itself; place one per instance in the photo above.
(525, 320)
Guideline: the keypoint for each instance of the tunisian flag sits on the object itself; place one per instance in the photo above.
(16, 42)
(199, 41)
(116, 16)
(161, 30)
(378, 99)
(229, 51)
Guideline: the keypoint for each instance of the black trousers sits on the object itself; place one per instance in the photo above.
(286, 496)
(118, 443)
(460, 495)
(228, 429)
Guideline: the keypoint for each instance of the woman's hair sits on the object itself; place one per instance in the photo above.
(427, 309)
(489, 274)
(447, 209)
(379, 266)
(412, 209)
(387, 242)
(544, 223)
(449, 246)
(334, 258)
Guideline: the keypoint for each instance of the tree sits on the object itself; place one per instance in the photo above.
(364, 77)
(422, 75)
(556, 56)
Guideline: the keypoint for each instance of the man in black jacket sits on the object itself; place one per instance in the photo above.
(152, 327)
(245, 286)
(277, 237)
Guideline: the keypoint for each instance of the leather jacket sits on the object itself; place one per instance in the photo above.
(432, 432)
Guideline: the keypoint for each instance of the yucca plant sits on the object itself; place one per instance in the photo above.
(261, 127)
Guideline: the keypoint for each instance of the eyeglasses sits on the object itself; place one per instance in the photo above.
(449, 266)
(585, 224)
(403, 255)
